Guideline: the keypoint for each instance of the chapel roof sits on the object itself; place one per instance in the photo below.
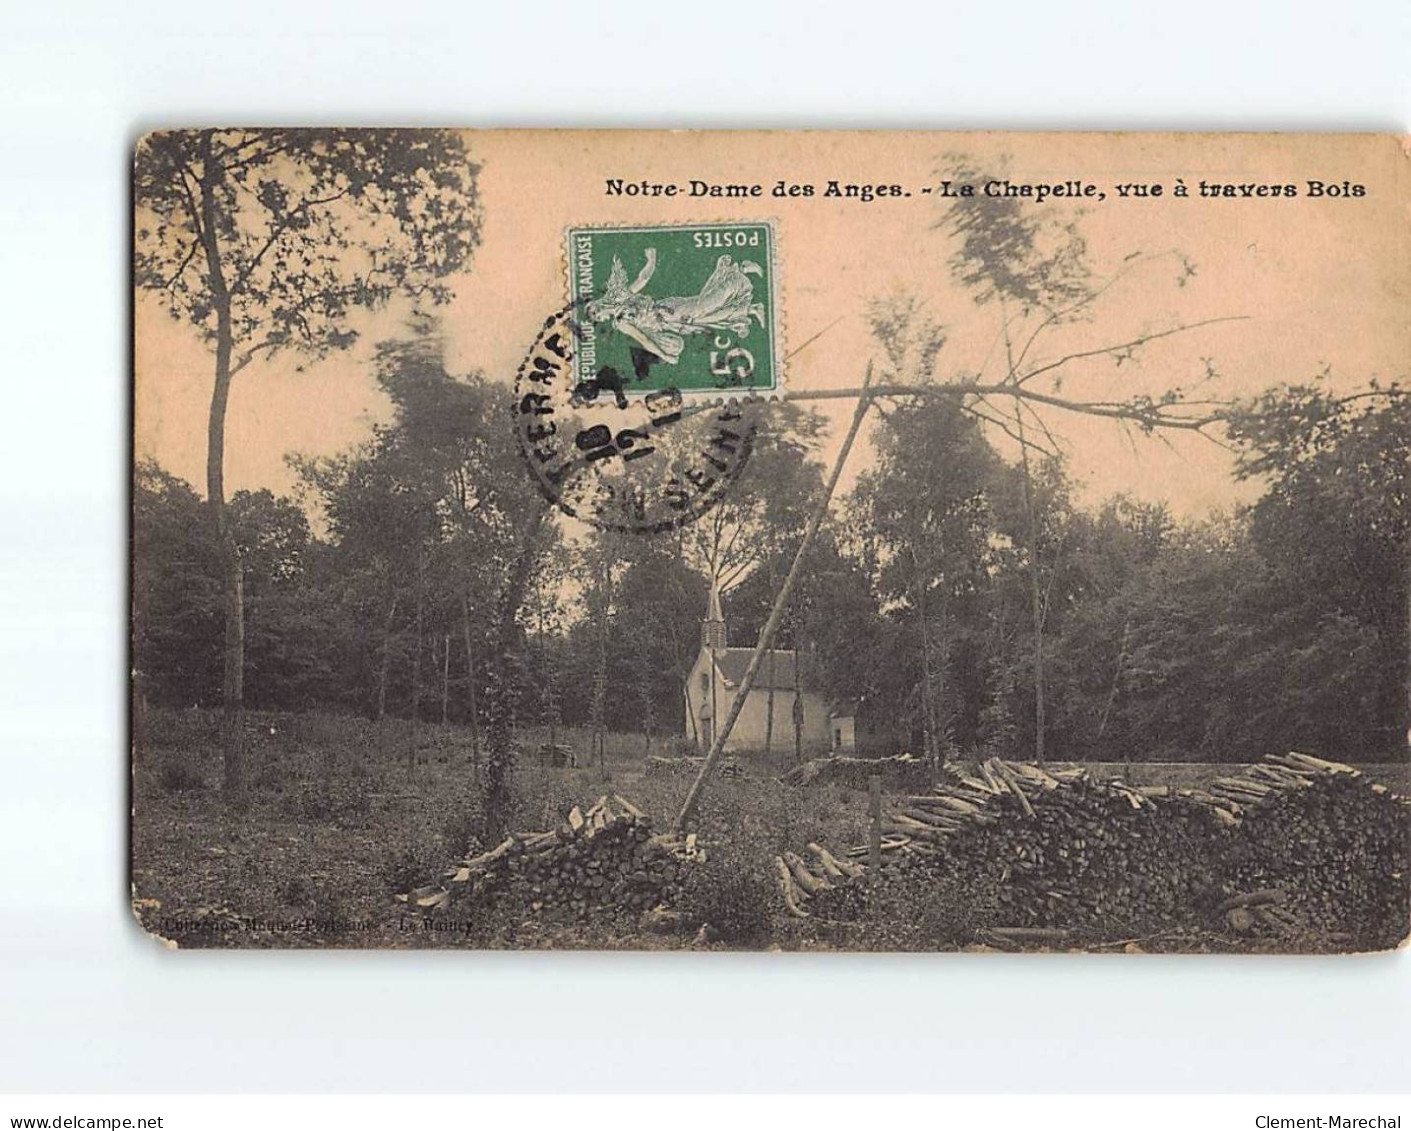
(732, 663)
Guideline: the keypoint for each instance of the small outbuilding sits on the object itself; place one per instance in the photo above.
(842, 721)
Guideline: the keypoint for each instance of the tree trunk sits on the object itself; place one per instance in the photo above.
(499, 754)
(769, 708)
(649, 722)
(1036, 597)
(939, 701)
(1112, 692)
(769, 697)
(714, 716)
(233, 679)
(386, 664)
(416, 662)
(445, 677)
(798, 706)
(474, 704)
(691, 718)
(233, 684)
(546, 666)
(600, 672)
(928, 713)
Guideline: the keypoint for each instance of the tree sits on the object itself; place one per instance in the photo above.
(631, 652)
(765, 509)
(1334, 522)
(432, 503)
(268, 241)
(176, 602)
(1032, 265)
(925, 514)
(1027, 268)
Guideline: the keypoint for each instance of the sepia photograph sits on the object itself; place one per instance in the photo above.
(770, 540)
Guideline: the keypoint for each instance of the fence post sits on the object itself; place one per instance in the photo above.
(874, 847)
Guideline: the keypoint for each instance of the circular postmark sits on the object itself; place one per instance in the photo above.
(618, 451)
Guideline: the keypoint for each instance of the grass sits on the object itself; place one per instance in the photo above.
(338, 818)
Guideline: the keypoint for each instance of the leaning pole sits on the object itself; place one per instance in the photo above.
(776, 614)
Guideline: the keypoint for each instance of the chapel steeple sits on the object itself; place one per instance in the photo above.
(713, 627)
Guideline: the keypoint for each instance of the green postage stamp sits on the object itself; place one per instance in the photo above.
(690, 307)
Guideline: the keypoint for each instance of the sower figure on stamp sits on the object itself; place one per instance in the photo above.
(725, 303)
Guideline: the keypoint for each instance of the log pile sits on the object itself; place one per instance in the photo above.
(603, 859)
(1293, 845)
(1335, 847)
(556, 755)
(688, 767)
(904, 771)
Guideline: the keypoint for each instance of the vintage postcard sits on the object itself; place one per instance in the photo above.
(773, 540)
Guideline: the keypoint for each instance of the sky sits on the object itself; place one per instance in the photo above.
(1315, 284)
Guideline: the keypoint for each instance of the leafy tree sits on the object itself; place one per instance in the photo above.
(925, 514)
(1334, 521)
(268, 241)
(177, 600)
(635, 647)
(176, 597)
(426, 514)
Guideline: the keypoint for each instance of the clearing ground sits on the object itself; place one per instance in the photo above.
(338, 820)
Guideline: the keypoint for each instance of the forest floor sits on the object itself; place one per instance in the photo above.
(337, 820)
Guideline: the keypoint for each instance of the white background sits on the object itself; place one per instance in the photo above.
(88, 1004)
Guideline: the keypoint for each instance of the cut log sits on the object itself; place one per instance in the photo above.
(1032, 934)
(935, 820)
(623, 803)
(807, 880)
(829, 861)
(1322, 765)
(955, 804)
(1010, 780)
(790, 890)
(494, 854)
(996, 783)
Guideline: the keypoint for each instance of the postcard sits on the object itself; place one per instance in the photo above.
(802, 541)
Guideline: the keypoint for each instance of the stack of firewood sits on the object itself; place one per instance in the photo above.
(556, 755)
(1294, 843)
(1335, 848)
(727, 767)
(657, 766)
(604, 858)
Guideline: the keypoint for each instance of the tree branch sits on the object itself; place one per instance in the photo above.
(1057, 316)
(269, 345)
(1000, 421)
(185, 263)
(1019, 378)
(277, 230)
(1147, 413)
